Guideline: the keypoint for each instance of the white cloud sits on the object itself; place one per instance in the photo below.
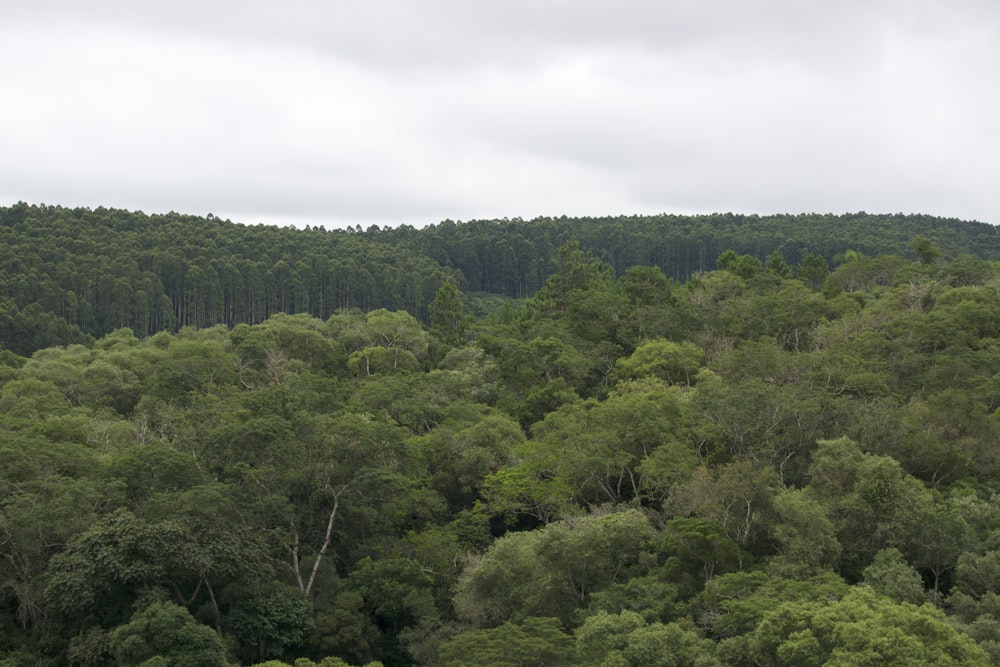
(381, 112)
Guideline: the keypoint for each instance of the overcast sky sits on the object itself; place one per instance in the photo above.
(337, 112)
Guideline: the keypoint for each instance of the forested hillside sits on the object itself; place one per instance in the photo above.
(777, 461)
(75, 275)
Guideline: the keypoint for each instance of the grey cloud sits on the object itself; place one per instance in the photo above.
(454, 33)
(413, 112)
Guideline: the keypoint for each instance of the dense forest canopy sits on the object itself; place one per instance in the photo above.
(74, 275)
(780, 459)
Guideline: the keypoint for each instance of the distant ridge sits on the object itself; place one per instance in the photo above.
(69, 274)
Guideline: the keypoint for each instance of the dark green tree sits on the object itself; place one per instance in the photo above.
(926, 250)
(813, 270)
(449, 319)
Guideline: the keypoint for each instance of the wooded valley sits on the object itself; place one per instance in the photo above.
(720, 440)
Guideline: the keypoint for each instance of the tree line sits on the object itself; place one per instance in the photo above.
(75, 275)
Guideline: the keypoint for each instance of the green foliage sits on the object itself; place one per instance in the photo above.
(734, 604)
(165, 633)
(676, 363)
(697, 550)
(627, 640)
(893, 577)
(588, 453)
(736, 496)
(396, 591)
(863, 628)
(805, 533)
(270, 620)
(926, 250)
(744, 266)
(813, 270)
(618, 468)
(386, 342)
(859, 273)
(777, 265)
(533, 641)
(874, 504)
(968, 270)
(305, 662)
(78, 273)
(605, 633)
(654, 597)
(553, 571)
(120, 557)
(470, 444)
(447, 314)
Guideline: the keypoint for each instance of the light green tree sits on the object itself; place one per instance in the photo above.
(807, 536)
(553, 571)
(676, 363)
(533, 642)
(863, 628)
(165, 634)
(626, 640)
(890, 575)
